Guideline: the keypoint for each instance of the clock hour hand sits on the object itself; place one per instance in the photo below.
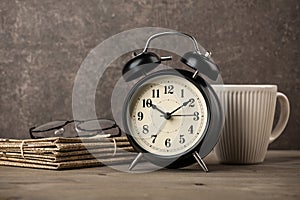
(159, 110)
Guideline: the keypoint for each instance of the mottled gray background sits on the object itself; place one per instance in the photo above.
(42, 44)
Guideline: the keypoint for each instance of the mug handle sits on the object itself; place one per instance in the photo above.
(283, 118)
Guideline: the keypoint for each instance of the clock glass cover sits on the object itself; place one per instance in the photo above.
(167, 115)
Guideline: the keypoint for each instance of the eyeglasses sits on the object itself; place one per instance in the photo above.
(81, 128)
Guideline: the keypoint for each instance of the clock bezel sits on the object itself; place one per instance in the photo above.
(178, 160)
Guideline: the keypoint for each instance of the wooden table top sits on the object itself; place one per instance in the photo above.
(277, 178)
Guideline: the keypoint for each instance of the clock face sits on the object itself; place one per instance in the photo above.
(166, 115)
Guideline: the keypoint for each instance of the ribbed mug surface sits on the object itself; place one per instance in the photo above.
(249, 113)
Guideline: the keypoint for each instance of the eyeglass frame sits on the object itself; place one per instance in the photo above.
(115, 125)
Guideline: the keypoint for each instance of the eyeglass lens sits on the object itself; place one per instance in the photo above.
(49, 126)
(98, 126)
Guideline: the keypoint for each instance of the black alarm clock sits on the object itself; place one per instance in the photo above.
(173, 118)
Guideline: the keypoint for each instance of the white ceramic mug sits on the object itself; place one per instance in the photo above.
(249, 114)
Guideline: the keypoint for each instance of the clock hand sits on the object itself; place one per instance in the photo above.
(184, 104)
(183, 115)
(157, 131)
(195, 115)
(156, 108)
(162, 125)
(164, 114)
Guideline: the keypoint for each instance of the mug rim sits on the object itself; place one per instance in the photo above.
(246, 86)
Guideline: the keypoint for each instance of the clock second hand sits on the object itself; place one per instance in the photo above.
(158, 130)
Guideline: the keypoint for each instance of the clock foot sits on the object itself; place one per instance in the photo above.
(135, 161)
(200, 161)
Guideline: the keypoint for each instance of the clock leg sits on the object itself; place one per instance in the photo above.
(200, 161)
(135, 161)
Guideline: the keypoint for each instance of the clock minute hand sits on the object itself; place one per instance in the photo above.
(184, 104)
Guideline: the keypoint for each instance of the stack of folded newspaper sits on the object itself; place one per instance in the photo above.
(65, 153)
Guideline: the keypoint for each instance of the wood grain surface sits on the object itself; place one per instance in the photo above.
(277, 178)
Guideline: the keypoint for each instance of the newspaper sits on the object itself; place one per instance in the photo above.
(65, 153)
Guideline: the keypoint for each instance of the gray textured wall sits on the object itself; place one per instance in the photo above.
(42, 44)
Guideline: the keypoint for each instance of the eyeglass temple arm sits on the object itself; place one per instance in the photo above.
(30, 132)
(172, 33)
(119, 131)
